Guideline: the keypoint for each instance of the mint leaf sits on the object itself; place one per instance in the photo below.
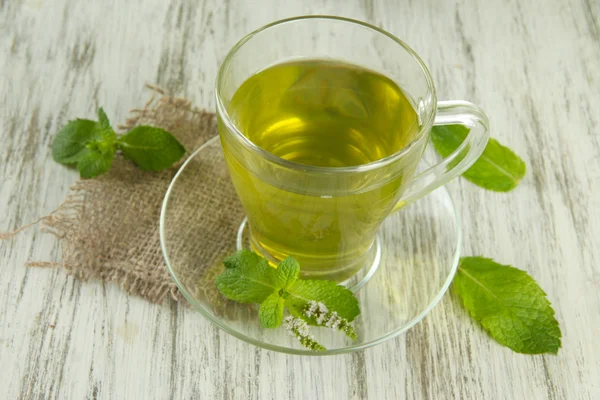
(96, 159)
(70, 143)
(336, 298)
(103, 121)
(287, 272)
(498, 168)
(270, 312)
(152, 149)
(243, 257)
(247, 278)
(509, 304)
(90, 144)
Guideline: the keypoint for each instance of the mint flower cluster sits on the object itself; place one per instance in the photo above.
(318, 314)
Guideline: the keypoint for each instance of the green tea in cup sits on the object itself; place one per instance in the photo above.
(323, 121)
(319, 113)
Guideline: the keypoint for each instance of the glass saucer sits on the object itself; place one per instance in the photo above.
(416, 257)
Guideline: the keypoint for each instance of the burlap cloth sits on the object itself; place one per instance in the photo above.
(108, 227)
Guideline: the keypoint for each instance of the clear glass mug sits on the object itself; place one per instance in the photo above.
(327, 218)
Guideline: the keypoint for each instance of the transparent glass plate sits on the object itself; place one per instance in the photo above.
(414, 261)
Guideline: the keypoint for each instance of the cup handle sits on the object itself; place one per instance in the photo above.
(451, 113)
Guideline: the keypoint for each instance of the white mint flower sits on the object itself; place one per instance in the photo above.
(320, 314)
(299, 328)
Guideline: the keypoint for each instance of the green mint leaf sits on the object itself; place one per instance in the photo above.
(336, 298)
(509, 304)
(247, 278)
(287, 272)
(270, 312)
(498, 168)
(103, 120)
(246, 258)
(90, 144)
(96, 159)
(152, 149)
(70, 143)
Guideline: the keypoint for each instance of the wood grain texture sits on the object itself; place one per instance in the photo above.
(534, 66)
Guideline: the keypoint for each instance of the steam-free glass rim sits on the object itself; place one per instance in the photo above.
(222, 111)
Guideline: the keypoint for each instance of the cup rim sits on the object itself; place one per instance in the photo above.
(222, 111)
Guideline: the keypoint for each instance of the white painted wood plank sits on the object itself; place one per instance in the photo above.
(533, 65)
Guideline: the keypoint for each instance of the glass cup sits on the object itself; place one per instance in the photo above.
(327, 217)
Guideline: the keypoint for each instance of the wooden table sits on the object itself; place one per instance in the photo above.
(533, 65)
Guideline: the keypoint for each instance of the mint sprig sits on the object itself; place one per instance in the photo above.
(92, 146)
(248, 278)
(509, 304)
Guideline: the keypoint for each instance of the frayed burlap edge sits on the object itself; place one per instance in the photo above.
(85, 237)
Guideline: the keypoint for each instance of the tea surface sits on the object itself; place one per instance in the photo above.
(324, 113)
